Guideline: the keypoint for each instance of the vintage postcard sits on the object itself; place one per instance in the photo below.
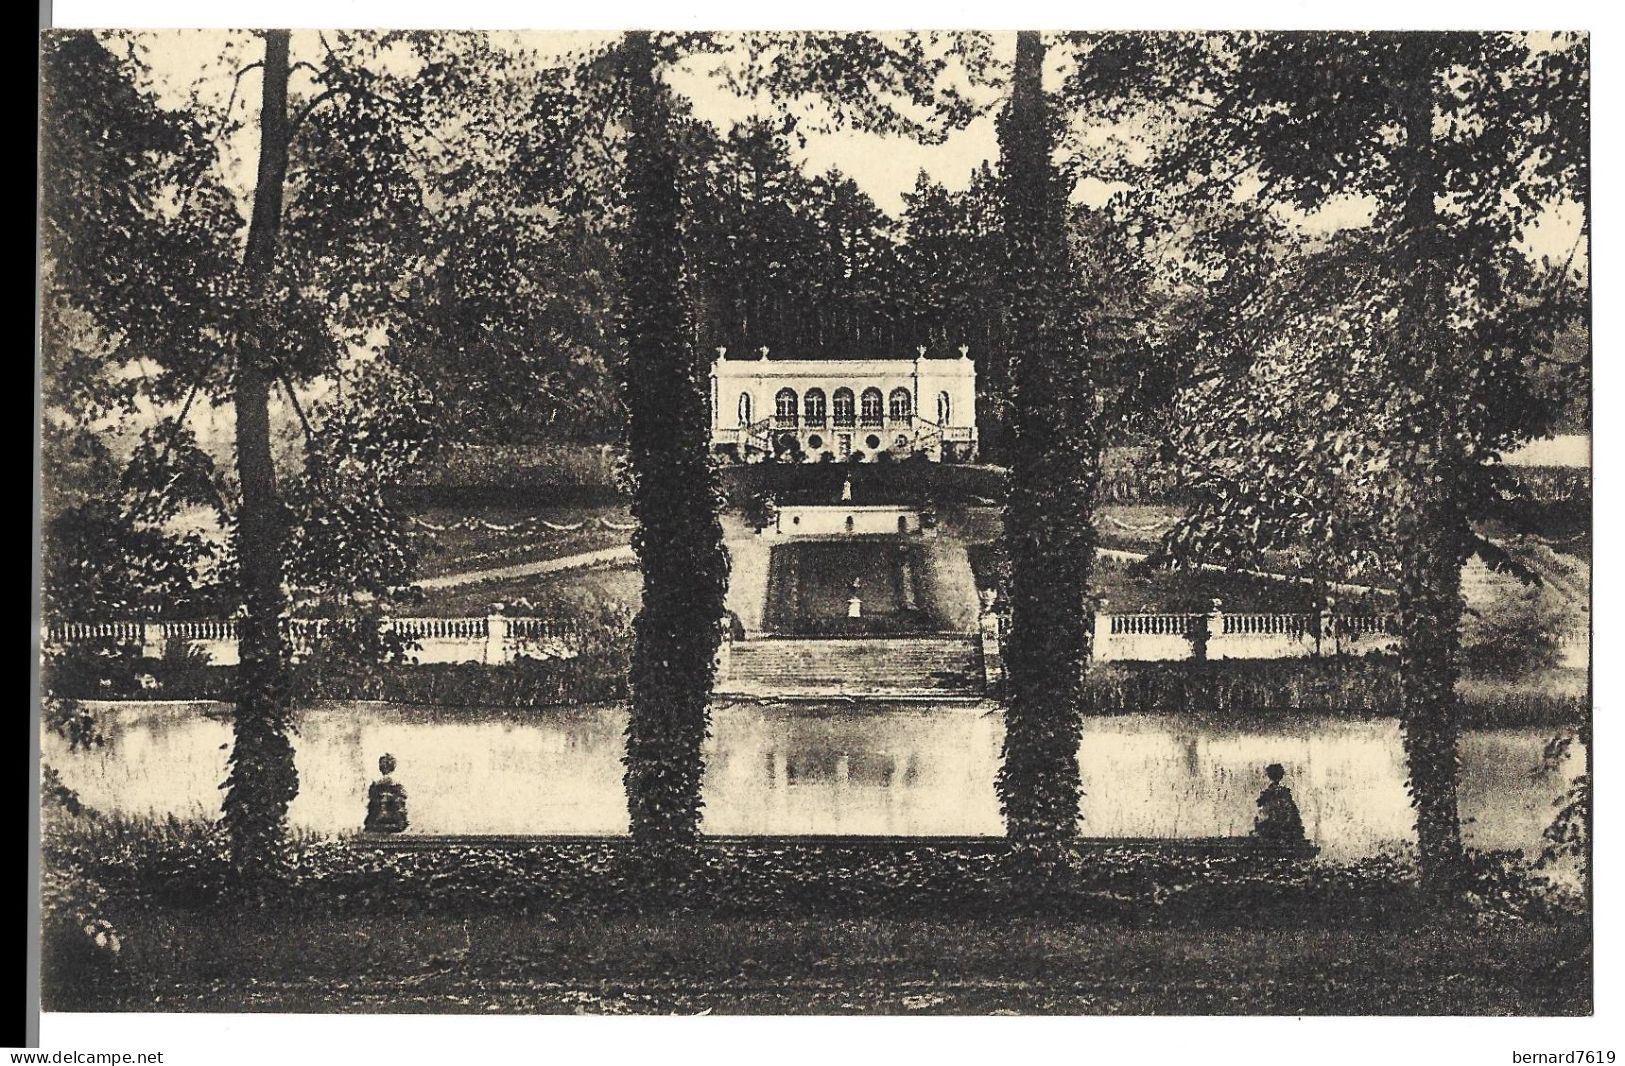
(816, 522)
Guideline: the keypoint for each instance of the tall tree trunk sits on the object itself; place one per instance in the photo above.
(1435, 537)
(676, 493)
(262, 781)
(1054, 472)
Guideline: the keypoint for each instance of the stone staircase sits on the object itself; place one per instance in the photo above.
(939, 665)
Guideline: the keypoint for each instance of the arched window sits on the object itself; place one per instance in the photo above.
(872, 407)
(944, 408)
(902, 405)
(784, 407)
(845, 410)
(813, 403)
(744, 408)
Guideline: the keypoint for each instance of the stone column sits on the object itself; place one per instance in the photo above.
(992, 651)
(152, 640)
(1215, 629)
(497, 652)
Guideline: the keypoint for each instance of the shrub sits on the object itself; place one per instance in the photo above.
(73, 722)
(1568, 837)
(1517, 636)
(93, 669)
(80, 945)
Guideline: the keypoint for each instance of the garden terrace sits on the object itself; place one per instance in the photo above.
(810, 582)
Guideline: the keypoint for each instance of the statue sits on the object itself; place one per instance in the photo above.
(386, 801)
(846, 489)
(854, 604)
(1277, 822)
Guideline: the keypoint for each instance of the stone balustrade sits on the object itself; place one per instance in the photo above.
(496, 639)
(492, 639)
(1219, 634)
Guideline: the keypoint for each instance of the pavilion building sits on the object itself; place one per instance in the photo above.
(843, 409)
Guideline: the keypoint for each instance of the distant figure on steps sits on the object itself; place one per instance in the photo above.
(386, 801)
(846, 489)
(854, 604)
(1277, 821)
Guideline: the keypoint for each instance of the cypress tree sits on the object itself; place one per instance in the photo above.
(1054, 462)
(676, 495)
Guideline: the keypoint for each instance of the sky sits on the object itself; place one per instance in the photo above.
(883, 166)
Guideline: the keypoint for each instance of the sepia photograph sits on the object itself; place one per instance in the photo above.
(815, 522)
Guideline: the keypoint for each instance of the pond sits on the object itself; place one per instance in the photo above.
(794, 769)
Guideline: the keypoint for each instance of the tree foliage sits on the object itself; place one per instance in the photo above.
(335, 228)
(1354, 399)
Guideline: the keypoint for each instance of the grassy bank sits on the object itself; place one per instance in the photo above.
(305, 963)
(592, 678)
(1363, 687)
(1366, 687)
(777, 925)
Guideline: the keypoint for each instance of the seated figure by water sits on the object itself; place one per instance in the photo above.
(386, 801)
(1278, 821)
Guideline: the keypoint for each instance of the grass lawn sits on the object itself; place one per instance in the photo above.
(553, 595)
(478, 548)
(304, 962)
(1133, 587)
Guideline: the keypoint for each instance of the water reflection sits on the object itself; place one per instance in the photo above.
(855, 769)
